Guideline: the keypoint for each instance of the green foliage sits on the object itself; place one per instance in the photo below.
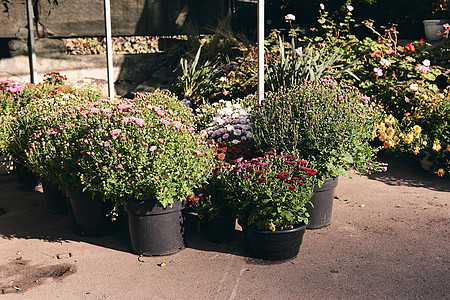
(145, 149)
(270, 192)
(290, 66)
(405, 81)
(210, 201)
(141, 149)
(198, 80)
(20, 123)
(434, 119)
(15, 95)
(392, 74)
(36, 137)
(325, 122)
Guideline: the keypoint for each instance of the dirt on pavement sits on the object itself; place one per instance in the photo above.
(389, 239)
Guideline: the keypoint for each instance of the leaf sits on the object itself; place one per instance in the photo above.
(287, 215)
(334, 271)
(430, 77)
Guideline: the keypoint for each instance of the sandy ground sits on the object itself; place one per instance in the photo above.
(389, 239)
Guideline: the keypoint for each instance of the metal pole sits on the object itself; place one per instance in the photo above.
(109, 60)
(260, 51)
(31, 48)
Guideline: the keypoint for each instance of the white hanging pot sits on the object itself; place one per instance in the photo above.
(432, 28)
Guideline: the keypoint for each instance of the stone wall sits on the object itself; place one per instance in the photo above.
(129, 17)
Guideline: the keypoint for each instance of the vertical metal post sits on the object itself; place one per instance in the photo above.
(260, 50)
(31, 48)
(109, 60)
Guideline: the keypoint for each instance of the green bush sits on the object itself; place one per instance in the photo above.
(326, 123)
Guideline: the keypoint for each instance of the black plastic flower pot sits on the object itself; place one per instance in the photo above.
(27, 177)
(274, 245)
(89, 214)
(155, 230)
(322, 204)
(55, 198)
(220, 229)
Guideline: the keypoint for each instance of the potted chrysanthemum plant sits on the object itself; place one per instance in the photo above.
(329, 124)
(270, 194)
(146, 154)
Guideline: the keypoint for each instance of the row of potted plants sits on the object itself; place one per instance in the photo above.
(257, 162)
(304, 138)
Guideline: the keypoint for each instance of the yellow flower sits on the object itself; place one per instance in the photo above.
(409, 138)
(382, 137)
(436, 146)
(424, 143)
(390, 131)
(272, 226)
(447, 149)
(389, 120)
(374, 131)
(388, 144)
(416, 151)
(440, 172)
(417, 129)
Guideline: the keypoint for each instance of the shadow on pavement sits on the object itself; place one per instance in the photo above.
(23, 215)
(407, 172)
